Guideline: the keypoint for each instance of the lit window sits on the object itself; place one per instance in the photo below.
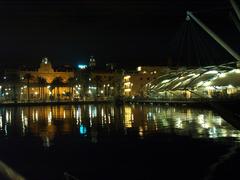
(139, 68)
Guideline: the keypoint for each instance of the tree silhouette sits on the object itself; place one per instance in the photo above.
(56, 83)
(28, 77)
(42, 82)
(71, 83)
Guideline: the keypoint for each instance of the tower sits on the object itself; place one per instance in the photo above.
(92, 62)
(45, 66)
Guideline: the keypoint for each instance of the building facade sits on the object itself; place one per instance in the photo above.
(134, 82)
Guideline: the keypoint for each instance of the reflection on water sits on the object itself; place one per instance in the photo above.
(93, 121)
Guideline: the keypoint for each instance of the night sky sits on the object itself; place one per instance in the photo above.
(124, 32)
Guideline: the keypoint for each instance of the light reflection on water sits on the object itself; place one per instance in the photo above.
(92, 121)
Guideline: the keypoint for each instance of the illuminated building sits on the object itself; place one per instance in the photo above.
(134, 83)
(40, 85)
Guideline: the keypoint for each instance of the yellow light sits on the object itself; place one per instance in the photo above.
(127, 77)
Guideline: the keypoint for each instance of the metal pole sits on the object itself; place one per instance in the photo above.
(236, 9)
(235, 21)
(214, 36)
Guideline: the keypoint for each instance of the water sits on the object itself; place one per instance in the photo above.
(96, 122)
(108, 142)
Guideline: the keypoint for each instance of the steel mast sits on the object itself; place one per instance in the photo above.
(236, 9)
(215, 37)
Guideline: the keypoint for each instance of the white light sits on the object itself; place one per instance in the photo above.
(208, 83)
(212, 72)
(166, 81)
(222, 75)
(235, 71)
(210, 88)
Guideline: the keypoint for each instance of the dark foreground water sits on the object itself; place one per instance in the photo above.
(108, 142)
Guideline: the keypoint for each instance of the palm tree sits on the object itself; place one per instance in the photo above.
(41, 84)
(28, 77)
(71, 83)
(56, 83)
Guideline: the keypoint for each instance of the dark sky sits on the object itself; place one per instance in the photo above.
(124, 32)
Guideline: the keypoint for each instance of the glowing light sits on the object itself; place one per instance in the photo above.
(235, 71)
(212, 72)
(50, 118)
(82, 66)
(139, 68)
(127, 77)
(36, 114)
(1, 123)
(128, 117)
(82, 129)
(222, 75)
(140, 131)
(210, 88)
(166, 81)
(208, 83)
